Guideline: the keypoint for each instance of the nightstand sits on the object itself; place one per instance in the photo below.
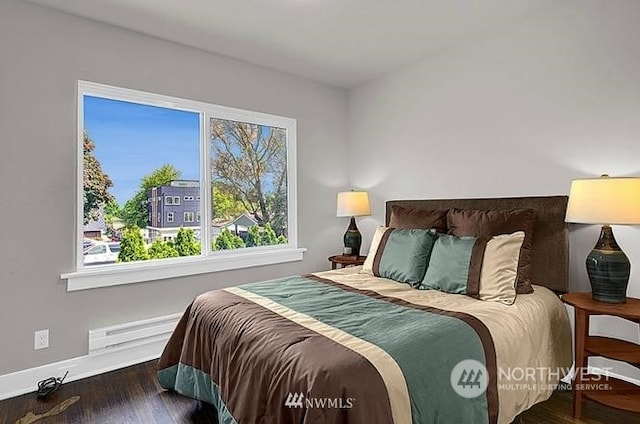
(620, 394)
(346, 260)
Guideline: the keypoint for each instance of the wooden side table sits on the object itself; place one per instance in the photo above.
(620, 394)
(346, 260)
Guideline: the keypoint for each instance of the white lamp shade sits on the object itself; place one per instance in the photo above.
(353, 203)
(604, 200)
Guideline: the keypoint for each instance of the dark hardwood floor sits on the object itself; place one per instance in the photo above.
(130, 395)
(133, 395)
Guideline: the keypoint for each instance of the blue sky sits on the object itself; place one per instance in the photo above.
(133, 140)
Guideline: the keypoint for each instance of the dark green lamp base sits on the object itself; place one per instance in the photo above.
(608, 269)
(352, 239)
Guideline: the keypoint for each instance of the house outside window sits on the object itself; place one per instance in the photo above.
(214, 171)
(175, 189)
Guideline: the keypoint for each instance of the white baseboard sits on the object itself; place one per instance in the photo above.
(26, 381)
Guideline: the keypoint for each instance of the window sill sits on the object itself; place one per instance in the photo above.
(113, 275)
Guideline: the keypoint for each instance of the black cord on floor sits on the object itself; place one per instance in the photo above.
(48, 386)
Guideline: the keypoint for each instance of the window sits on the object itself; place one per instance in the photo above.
(236, 168)
(249, 183)
(172, 200)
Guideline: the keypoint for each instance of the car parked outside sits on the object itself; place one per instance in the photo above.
(101, 253)
(87, 242)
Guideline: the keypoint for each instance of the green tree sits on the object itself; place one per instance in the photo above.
(111, 210)
(254, 238)
(278, 204)
(161, 250)
(135, 211)
(225, 205)
(132, 246)
(251, 161)
(226, 240)
(269, 236)
(95, 182)
(186, 243)
(111, 216)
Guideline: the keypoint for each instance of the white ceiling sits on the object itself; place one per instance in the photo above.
(338, 42)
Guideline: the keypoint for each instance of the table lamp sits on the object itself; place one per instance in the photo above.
(353, 203)
(606, 201)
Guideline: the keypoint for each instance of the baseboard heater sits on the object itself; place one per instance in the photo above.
(131, 334)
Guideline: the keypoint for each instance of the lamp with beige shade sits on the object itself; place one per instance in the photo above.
(353, 203)
(606, 201)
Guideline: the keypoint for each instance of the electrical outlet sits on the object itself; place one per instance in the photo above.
(41, 339)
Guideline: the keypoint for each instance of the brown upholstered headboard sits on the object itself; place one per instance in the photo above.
(550, 264)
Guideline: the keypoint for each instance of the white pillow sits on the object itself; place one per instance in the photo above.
(500, 268)
(367, 267)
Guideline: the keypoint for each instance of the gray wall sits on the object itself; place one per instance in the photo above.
(520, 110)
(42, 55)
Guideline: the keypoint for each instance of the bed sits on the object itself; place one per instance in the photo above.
(345, 346)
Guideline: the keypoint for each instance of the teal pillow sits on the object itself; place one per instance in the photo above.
(403, 254)
(455, 265)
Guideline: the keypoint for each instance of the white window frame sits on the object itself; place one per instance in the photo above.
(191, 215)
(82, 278)
(170, 216)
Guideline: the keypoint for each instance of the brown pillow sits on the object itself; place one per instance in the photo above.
(417, 218)
(481, 223)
